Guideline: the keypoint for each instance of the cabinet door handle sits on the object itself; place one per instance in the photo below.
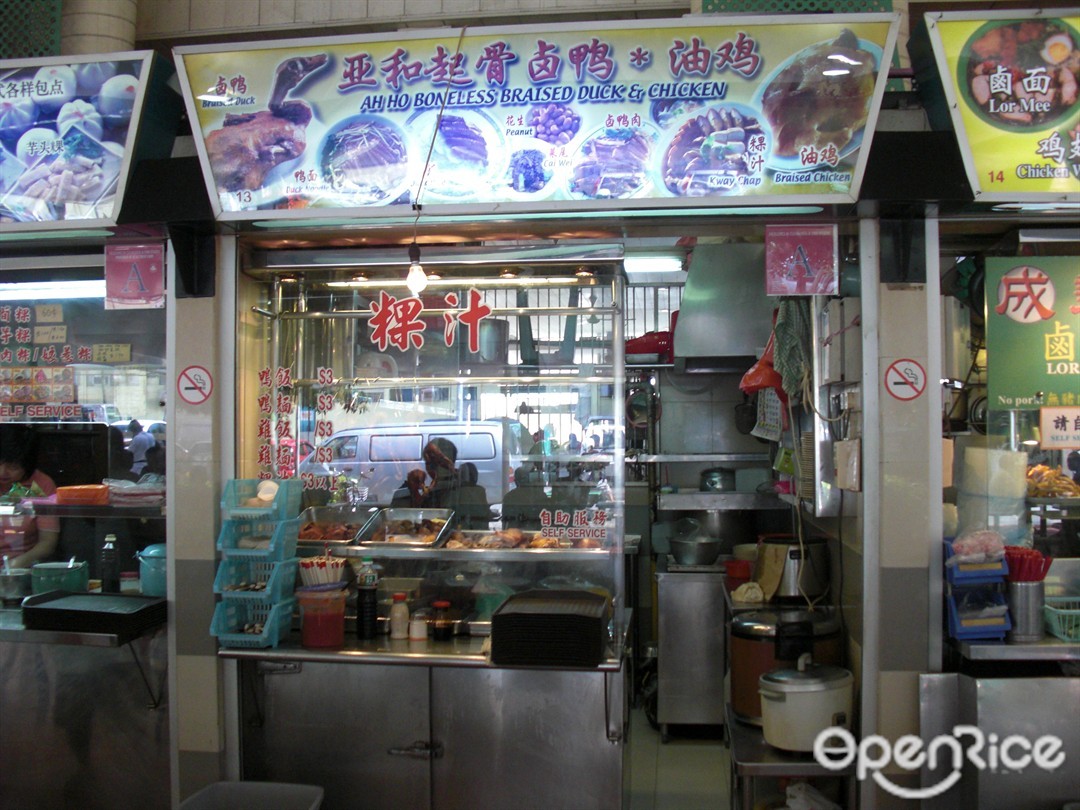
(421, 749)
(279, 667)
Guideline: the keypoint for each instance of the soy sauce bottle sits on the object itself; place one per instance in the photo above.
(110, 566)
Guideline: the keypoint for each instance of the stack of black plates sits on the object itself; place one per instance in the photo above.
(550, 629)
(125, 615)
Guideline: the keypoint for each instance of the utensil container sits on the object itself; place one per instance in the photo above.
(1026, 601)
(59, 576)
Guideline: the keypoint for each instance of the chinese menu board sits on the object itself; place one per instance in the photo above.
(66, 129)
(1032, 332)
(36, 377)
(608, 116)
(1012, 85)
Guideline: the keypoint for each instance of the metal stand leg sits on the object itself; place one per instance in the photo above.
(155, 700)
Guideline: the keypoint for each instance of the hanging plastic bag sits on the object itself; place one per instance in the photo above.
(763, 375)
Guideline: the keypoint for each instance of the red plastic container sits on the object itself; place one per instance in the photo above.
(737, 572)
(322, 618)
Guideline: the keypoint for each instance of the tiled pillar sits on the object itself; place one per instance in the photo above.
(97, 26)
(200, 335)
(907, 495)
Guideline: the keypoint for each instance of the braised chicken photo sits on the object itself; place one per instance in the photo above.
(814, 103)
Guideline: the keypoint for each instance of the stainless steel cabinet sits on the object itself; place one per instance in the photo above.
(351, 729)
(528, 738)
(399, 736)
(691, 648)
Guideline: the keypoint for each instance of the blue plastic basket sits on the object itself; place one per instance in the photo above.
(280, 538)
(978, 628)
(231, 616)
(239, 491)
(246, 578)
(974, 573)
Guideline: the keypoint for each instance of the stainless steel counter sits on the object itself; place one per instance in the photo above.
(1049, 649)
(13, 629)
(85, 718)
(431, 724)
(461, 651)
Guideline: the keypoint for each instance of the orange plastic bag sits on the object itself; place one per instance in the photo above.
(763, 375)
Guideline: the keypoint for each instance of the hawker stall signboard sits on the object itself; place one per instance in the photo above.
(1012, 83)
(67, 133)
(677, 113)
(1033, 332)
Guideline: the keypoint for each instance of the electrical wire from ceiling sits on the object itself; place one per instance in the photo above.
(417, 204)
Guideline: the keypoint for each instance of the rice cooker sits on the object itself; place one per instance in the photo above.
(798, 704)
(803, 571)
(767, 640)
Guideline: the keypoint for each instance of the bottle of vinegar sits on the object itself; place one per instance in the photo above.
(110, 566)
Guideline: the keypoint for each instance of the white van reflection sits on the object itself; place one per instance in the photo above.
(383, 455)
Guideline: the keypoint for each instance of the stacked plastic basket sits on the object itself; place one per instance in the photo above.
(257, 573)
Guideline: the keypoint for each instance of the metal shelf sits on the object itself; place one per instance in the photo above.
(1049, 649)
(724, 501)
(709, 458)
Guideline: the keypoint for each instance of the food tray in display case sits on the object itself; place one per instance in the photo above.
(415, 528)
(505, 545)
(334, 524)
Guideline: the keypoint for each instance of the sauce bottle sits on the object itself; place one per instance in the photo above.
(399, 617)
(442, 626)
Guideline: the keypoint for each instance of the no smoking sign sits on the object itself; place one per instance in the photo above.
(194, 385)
(905, 379)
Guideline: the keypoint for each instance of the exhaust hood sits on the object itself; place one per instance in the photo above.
(725, 317)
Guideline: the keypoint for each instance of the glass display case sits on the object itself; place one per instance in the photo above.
(471, 395)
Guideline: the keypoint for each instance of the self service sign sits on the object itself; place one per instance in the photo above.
(1033, 332)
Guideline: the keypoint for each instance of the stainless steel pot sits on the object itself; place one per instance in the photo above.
(717, 479)
(695, 550)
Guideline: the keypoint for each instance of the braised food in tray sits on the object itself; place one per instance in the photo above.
(329, 531)
(420, 533)
(808, 104)
(512, 539)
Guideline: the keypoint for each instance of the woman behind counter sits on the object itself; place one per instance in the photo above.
(25, 540)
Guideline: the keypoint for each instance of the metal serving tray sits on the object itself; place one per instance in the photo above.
(357, 516)
(385, 519)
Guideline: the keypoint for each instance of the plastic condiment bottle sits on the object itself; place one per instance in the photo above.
(367, 609)
(442, 626)
(110, 566)
(399, 617)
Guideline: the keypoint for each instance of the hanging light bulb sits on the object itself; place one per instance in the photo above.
(416, 281)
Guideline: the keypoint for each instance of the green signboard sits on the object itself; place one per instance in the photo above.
(1033, 332)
